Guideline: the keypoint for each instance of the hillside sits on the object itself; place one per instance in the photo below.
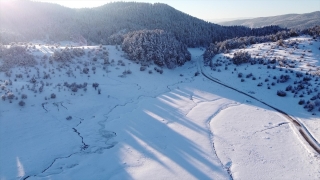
(297, 21)
(68, 115)
(27, 20)
(92, 94)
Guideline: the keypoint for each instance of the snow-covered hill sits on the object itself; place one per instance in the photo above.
(291, 21)
(45, 21)
(98, 116)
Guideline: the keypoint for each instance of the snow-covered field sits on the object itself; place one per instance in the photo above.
(143, 125)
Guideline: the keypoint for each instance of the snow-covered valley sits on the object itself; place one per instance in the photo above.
(118, 122)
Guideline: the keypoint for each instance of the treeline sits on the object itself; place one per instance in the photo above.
(314, 31)
(242, 42)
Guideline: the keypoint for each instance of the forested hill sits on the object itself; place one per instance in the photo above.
(297, 21)
(26, 20)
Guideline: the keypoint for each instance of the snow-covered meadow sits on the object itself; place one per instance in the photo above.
(144, 124)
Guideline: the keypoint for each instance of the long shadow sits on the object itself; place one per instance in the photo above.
(152, 134)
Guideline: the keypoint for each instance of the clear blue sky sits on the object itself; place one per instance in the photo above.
(219, 9)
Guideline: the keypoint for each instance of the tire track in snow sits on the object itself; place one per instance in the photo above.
(196, 104)
(272, 127)
(227, 167)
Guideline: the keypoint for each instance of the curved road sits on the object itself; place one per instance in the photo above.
(303, 131)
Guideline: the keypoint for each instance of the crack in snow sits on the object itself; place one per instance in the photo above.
(84, 145)
(44, 106)
(109, 134)
(63, 105)
(56, 104)
(43, 171)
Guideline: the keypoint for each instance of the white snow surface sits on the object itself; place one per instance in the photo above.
(173, 125)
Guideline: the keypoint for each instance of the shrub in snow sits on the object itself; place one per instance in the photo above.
(313, 98)
(129, 71)
(307, 78)
(22, 103)
(158, 70)
(143, 68)
(249, 75)
(301, 102)
(41, 89)
(19, 76)
(310, 106)
(33, 80)
(124, 73)
(69, 118)
(289, 88)
(280, 42)
(241, 57)
(95, 85)
(240, 75)
(53, 96)
(299, 74)
(74, 86)
(281, 93)
(284, 78)
(3, 97)
(85, 70)
(10, 95)
(24, 96)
